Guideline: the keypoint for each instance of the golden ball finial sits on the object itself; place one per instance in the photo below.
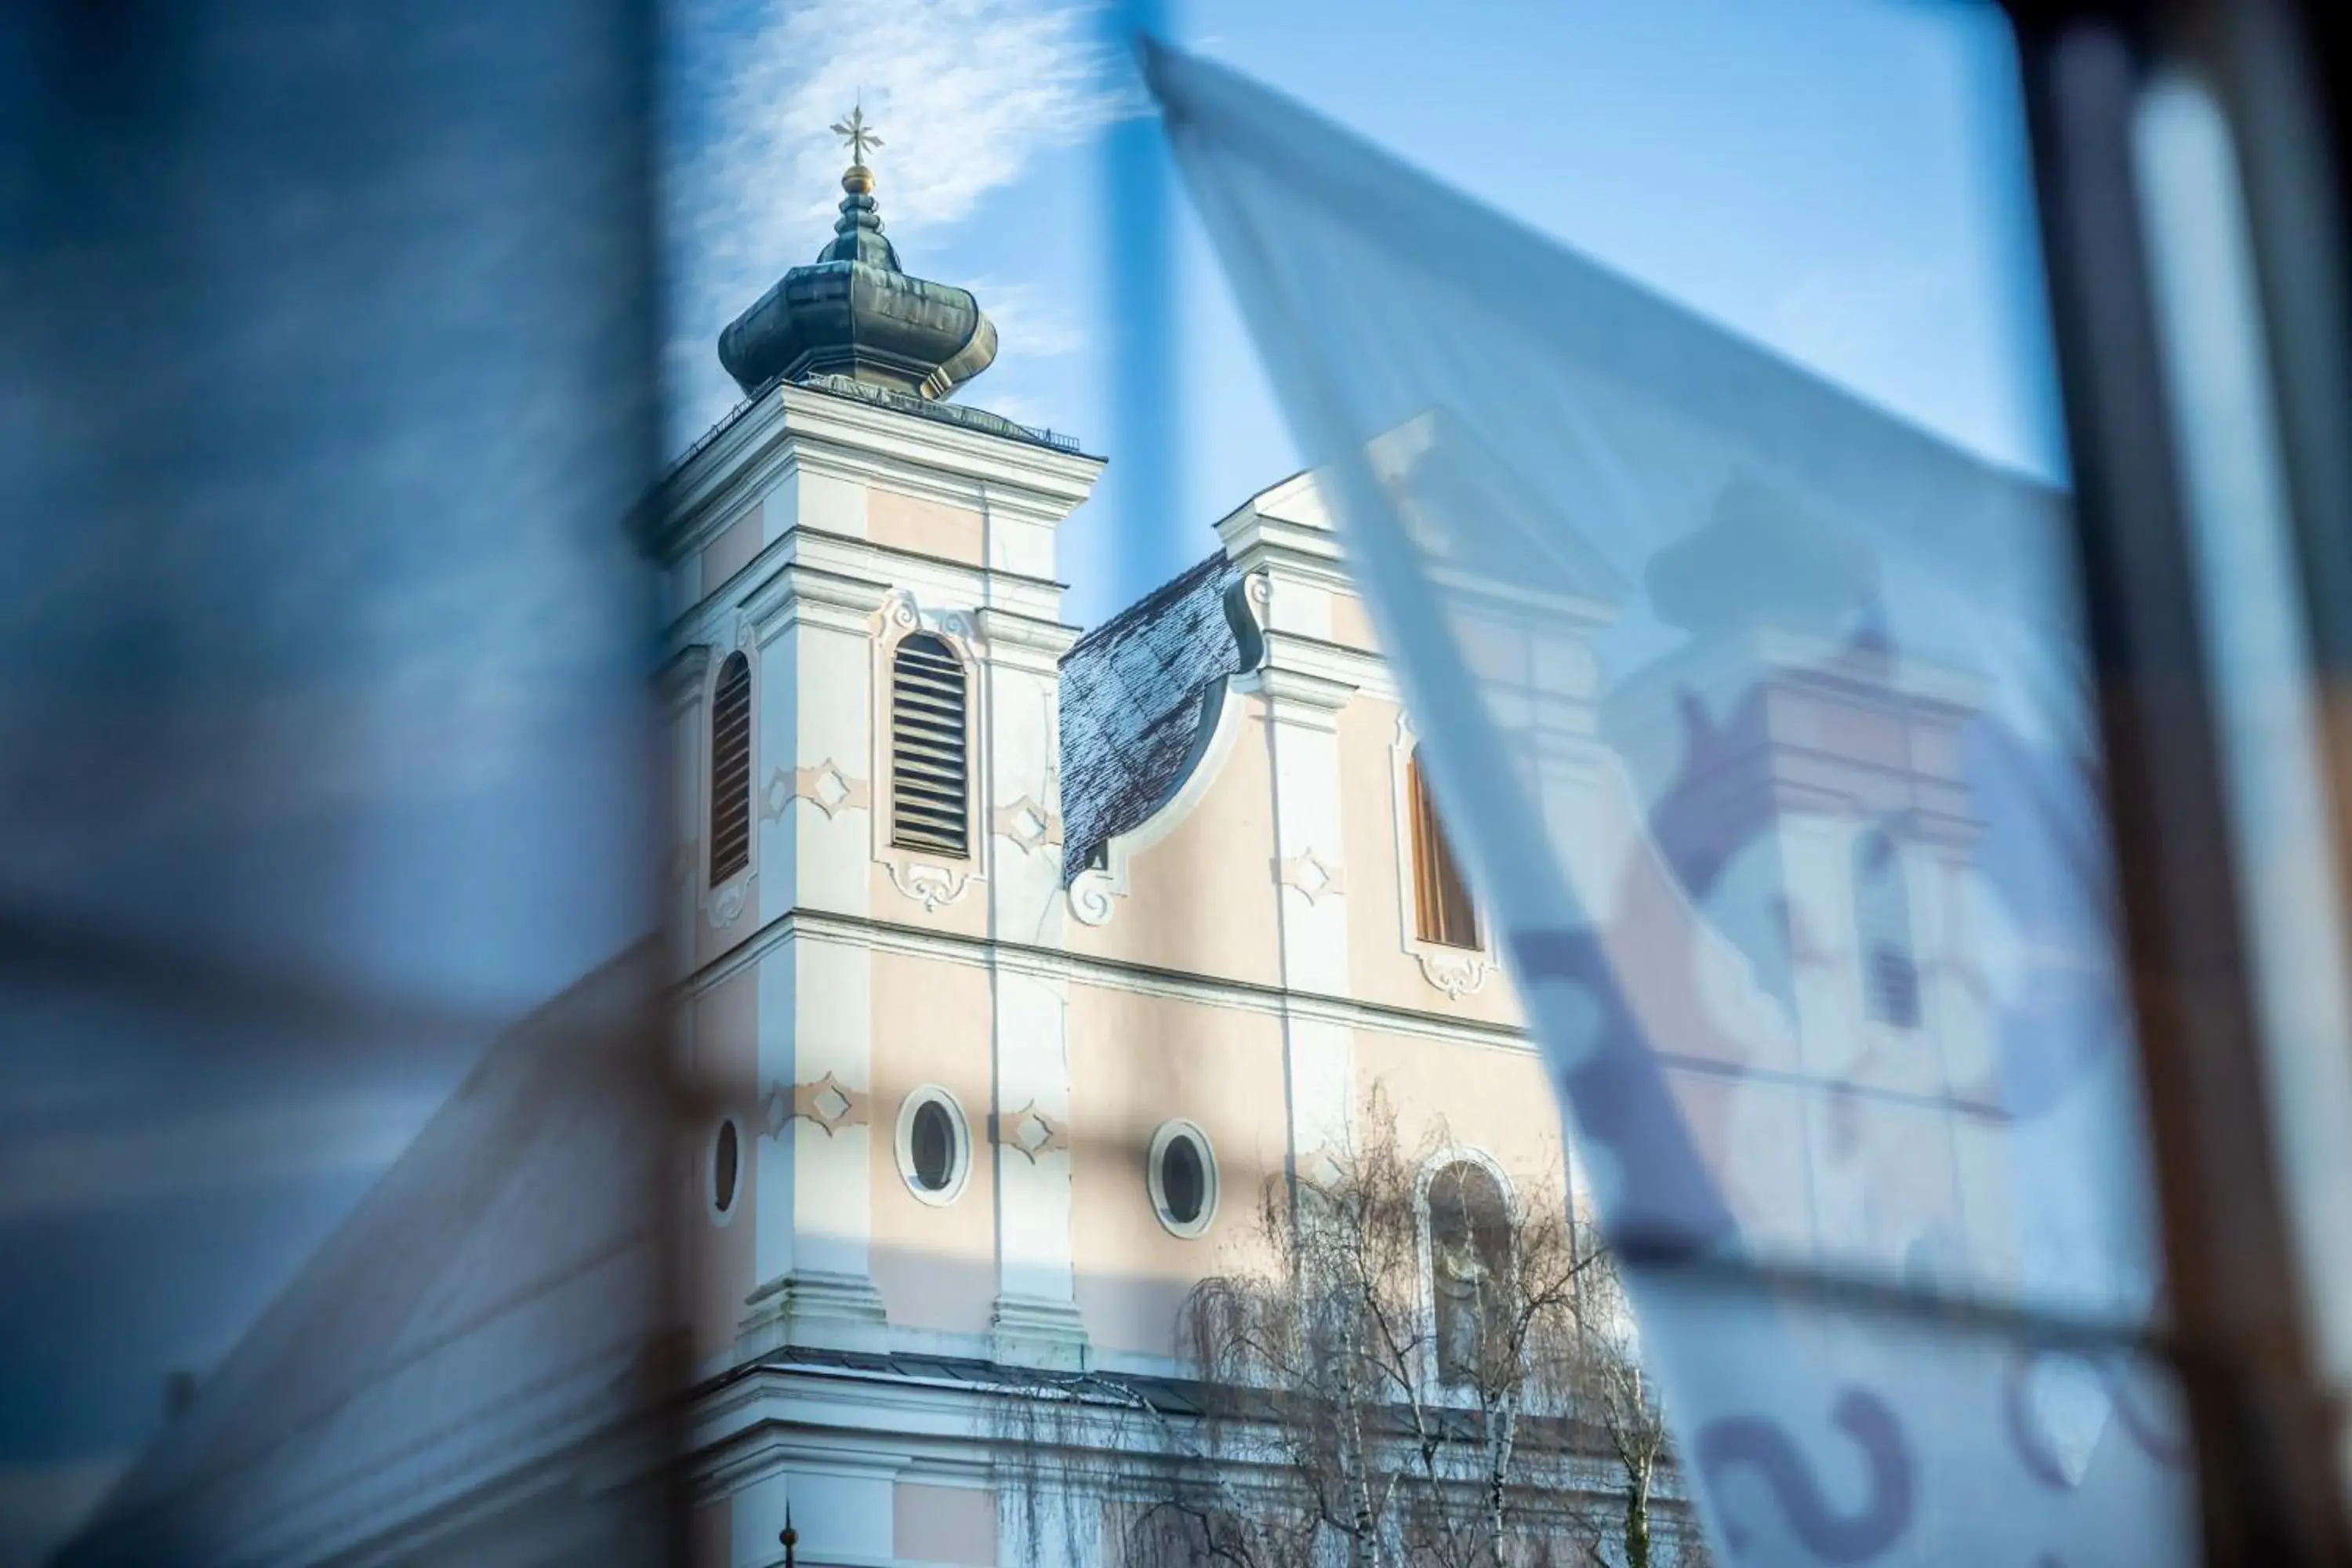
(854, 131)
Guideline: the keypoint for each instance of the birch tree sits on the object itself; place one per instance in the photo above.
(1426, 1367)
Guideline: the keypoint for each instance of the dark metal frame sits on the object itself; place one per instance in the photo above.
(2268, 1431)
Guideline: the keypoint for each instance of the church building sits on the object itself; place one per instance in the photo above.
(1005, 964)
(1014, 961)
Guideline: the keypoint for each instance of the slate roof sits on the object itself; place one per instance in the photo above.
(1134, 695)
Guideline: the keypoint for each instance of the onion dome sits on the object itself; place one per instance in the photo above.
(855, 312)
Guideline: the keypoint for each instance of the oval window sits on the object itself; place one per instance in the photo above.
(934, 1144)
(726, 1160)
(933, 1147)
(1184, 1178)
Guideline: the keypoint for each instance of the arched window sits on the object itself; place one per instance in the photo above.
(1442, 912)
(1882, 918)
(928, 765)
(730, 769)
(1469, 1265)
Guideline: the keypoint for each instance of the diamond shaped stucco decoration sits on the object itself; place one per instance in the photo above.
(1311, 875)
(830, 1103)
(1032, 1131)
(1028, 823)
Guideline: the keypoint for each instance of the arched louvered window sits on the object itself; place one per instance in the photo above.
(730, 769)
(929, 768)
(1469, 1264)
(1882, 918)
(1442, 912)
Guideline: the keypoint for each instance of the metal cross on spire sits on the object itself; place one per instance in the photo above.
(853, 130)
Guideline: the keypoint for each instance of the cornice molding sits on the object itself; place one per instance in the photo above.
(1004, 628)
(793, 427)
(682, 676)
(797, 587)
(1055, 965)
(1286, 685)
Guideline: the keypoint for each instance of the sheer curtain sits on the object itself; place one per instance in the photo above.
(1692, 633)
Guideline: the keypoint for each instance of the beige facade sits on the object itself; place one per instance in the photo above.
(1240, 958)
(1239, 953)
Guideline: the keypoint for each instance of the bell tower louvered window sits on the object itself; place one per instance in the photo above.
(929, 768)
(1442, 912)
(731, 770)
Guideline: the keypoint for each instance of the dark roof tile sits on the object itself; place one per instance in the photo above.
(1133, 691)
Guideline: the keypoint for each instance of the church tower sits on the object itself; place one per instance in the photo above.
(1013, 966)
(1805, 784)
(865, 631)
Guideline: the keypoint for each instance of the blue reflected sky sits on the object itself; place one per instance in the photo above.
(322, 751)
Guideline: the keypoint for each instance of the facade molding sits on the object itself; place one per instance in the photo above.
(790, 429)
(818, 1308)
(824, 786)
(1055, 964)
(926, 1427)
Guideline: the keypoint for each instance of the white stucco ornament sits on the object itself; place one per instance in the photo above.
(1028, 823)
(1312, 875)
(930, 886)
(829, 789)
(1094, 894)
(727, 902)
(1457, 972)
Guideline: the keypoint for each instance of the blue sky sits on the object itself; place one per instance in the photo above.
(1842, 179)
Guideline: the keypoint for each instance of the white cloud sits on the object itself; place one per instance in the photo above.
(1030, 321)
(964, 94)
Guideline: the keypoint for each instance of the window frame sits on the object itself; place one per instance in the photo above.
(904, 834)
(1458, 971)
(714, 879)
(1425, 1185)
(724, 1213)
(1162, 1139)
(1438, 884)
(903, 1143)
(931, 878)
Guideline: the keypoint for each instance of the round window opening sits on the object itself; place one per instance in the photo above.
(934, 1147)
(726, 1160)
(1184, 1178)
(934, 1150)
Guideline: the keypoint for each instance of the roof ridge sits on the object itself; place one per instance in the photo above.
(1135, 610)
